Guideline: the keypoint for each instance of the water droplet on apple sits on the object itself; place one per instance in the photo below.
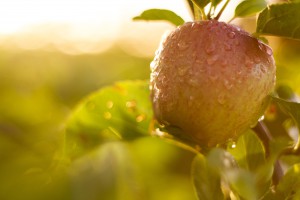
(182, 45)
(248, 62)
(190, 101)
(193, 82)
(224, 63)
(224, 26)
(213, 77)
(268, 50)
(212, 59)
(227, 46)
(228, 85)
(182, 70)
(210, 48)
(256, 59)
(221, 99)
(231, 35)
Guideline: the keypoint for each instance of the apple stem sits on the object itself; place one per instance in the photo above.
(222, 9)
(209, 12)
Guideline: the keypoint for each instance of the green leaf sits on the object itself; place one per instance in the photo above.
(243, 183)
(214, 3)
(207, 181)
(291, 108)
(160, 14)
(105, 173)
(285, 92)
(249, 7)
(249, 151)
(121, 111)
(281, 20)
(201, 3)
(288, 187)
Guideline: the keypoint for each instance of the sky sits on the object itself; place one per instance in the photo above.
(83, 26)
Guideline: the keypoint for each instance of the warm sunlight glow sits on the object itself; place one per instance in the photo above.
(82, 26)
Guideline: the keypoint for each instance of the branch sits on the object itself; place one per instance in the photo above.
(264, 135)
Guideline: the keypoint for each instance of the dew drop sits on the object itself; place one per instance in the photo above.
(256, 59)
(140, 118)
(250, 88)
(213, 77)
(269, 50)
(231, 35)
(228, 85)
(248, 62)
(221, 99)
(212, 59)
(261, 46)
(159, 133)
(227, 47)
(233, 145)
(210, 48)
(193, 82)
(190, 101)
(107, 115)
(198, 61)
(224, 62)
(224, 27)
(182, 70)
(131, 105)
(109, 104)
(261, 118)
(182, 45)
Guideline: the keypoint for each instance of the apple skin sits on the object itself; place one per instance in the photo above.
(211, 80)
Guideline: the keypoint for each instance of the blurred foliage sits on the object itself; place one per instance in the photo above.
(38, 90)
(54, 145)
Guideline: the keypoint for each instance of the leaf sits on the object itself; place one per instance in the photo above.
(249, 151)
(160, 14)
(243, 183)
(105, 173)
(290, 108)
(201, 3)
(207, 181)
(214, 3)
(281, 20)
(285, 92)
(249, 7)
(121, 111)
(221, 160)
(288, 187)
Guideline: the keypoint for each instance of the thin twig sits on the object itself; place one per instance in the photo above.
(222, 9)
(264, 135)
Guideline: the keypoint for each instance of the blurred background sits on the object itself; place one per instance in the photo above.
(55, 52)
